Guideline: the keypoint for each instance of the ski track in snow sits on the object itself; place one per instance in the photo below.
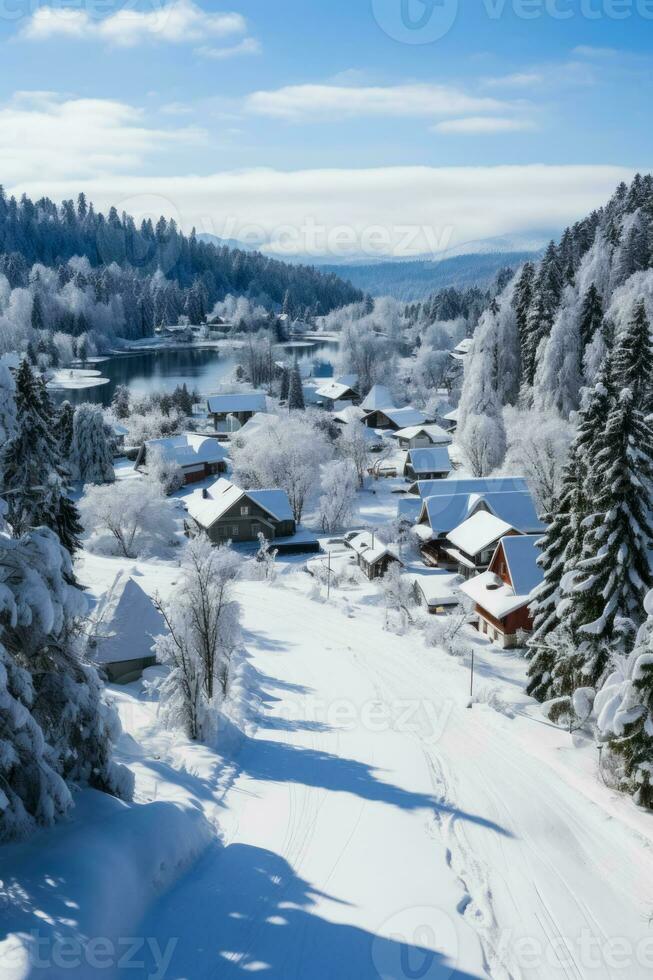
(333, 833)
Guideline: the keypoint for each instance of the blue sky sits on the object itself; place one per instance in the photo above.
(520, 116)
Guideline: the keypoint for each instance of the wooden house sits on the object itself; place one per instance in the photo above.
(197, 456)
(233, 410)
(373, 557)
(394, 419)
(503, 593)
(227, 513)
(470, 546)
(422, 436)
(427, 464)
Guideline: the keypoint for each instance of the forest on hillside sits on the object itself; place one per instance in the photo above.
(69, 269)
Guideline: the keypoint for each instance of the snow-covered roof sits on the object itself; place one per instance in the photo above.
(208, 506)
(409, 509)
(438, 588)
(451, 416)
(435, 433)
(369, 547)
(444, 513)
(352, 413)
(351, 380)
(334, 390)
(403, 417)
(378, 397)
(448, 488)
(497, 597)
(188, 449)
(478, 532)
(521, 553)
(433, 460)
(124, 623)
(276, 502)
(462, 349)
(246, 401)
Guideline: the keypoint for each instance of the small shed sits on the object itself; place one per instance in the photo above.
(422, 436)
(124, 624)
(427, 464)
(394, 418)
(373, 557)
(503, 593)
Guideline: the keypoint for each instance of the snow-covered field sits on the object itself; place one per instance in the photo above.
(357, 820)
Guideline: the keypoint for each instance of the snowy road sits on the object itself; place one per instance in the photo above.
(378, 828)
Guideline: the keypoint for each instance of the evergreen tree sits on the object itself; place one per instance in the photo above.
(633, 362)
(92, 458)
(591, 315)
(285, 385)
(120, 402)
(295, 389)
(606, 591)
(64, 429)
(37, 313)
(34, 478)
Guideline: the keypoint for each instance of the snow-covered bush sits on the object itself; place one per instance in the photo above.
(354, 446)
(91, 454)
(203, 632)
(131, 517)
(165, 473)
(266, 557)
(339, 482)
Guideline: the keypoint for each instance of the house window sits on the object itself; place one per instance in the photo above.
(235, 531)
(244, 511)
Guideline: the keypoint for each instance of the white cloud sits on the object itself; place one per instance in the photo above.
(177, 22)
(518, 79)
(483, 124)
(41, 132)
(315, 102)
(406, 210)
(248, 45)
(587, 51)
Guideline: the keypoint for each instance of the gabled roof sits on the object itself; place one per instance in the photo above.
(494, 595)
(352, 413)
(378, 397)
(444, 513)
(188, 449)
(246, 401)
(478, 532)
(521, 553)
(462, 349)
(448, 488)
(208, 506)
(409, 508)
(335, 390)
(433, 460)
(439, 588)
(435, 433)
(402, 417)
(125, 622)
(370, 548)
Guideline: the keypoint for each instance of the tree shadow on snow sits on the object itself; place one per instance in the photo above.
(256, 916)
(283, 763)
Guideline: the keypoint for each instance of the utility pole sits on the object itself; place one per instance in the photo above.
(328, 575)
(471, 682)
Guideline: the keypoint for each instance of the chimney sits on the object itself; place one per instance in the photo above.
(205, 493)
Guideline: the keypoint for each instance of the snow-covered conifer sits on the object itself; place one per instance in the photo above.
(295, 389)
(91, 455)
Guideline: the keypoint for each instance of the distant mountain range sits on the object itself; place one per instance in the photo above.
(470, 264)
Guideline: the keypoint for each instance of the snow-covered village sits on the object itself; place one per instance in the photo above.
(326, 566)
